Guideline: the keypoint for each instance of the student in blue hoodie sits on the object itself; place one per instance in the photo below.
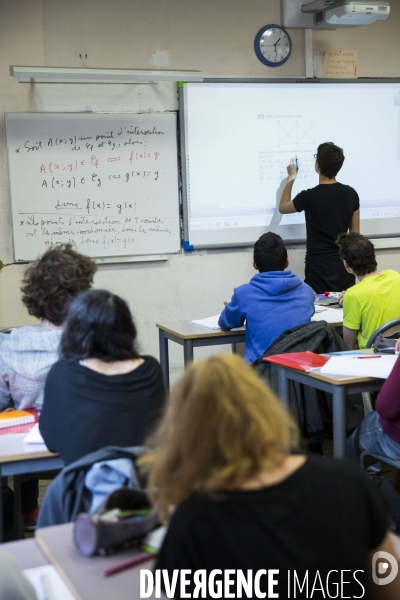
(275, 300)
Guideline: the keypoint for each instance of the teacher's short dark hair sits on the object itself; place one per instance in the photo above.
(358, 252)
(99, 325)
(49, 286)
(330, 159)
(270, 253)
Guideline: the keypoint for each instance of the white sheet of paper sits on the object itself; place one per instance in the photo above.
(34, 437)
(48, 583)
(367, 365)
(209, 322)
(330, 315)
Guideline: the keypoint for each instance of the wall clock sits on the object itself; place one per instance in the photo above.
(272, 45)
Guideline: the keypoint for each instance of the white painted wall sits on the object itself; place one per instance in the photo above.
(213, 36)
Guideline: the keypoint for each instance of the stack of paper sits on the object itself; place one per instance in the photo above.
(209, 322)
(360, 365)
(330, 315)
(34, 436)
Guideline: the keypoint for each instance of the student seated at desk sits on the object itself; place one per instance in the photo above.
(28, 352)
(222, 459)
(101, 392)
(373, 301)
(379, 431)
(275, 299)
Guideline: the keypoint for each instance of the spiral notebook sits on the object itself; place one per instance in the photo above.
(11, 417)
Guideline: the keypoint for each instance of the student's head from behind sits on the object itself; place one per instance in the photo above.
(223, 426)
(330, 159)
(49, 286)
(357, 253)
(270, 253)
(99, 325)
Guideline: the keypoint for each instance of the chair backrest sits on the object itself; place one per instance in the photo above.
(7, 329)
(388, 328)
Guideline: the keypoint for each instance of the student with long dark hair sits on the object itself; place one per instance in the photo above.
(101, 392)
(222, 466)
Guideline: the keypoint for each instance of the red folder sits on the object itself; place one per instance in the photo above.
(302, 361)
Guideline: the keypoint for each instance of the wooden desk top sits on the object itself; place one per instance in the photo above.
(189, 331)
(335, 379)
(83, 574)
(13, 449)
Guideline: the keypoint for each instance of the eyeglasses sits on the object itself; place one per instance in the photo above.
(315, 156)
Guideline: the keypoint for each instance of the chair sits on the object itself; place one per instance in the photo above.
(7, 329)
(390, 327)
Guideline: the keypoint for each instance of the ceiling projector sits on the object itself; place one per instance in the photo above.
(351, 14)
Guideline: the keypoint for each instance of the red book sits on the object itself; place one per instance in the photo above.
(302, 361)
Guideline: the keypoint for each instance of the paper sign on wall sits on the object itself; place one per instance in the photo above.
(340, 64)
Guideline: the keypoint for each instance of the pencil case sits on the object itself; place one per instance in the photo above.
(93, 534)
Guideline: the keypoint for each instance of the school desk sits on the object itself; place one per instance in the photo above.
(338, 386)
(17, 458)
(189, 335)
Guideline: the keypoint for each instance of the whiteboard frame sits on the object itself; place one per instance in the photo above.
(185, 208)
(106, 259)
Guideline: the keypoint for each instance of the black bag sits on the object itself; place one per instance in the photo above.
(385, 345)
(392, 497)
(93, 535)
(8, 512)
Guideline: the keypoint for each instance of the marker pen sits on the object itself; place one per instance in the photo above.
(297, 164)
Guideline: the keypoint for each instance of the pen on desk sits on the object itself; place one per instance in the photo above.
(362, 357)
(128, 564)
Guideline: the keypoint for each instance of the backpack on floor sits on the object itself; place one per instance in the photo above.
(392, 497)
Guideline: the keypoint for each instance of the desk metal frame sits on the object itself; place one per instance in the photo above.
(338, 389)
(189, 343)
(22, 466)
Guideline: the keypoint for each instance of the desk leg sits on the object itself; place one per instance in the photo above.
(283, 383)
(1, 509)
(164, 359)
(18, 530)
(187, 352)
(339, 422)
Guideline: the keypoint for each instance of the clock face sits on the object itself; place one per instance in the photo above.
(272, 45)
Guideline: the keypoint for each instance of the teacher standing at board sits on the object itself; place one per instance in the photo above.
(330, 208)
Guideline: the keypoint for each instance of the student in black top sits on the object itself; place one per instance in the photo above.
(101, 392)
(330, 208)
(222, 457)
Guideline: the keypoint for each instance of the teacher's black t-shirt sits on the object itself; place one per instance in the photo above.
(328, 211)
(325, 517)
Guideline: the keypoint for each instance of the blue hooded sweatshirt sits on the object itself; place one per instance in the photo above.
(270, 304)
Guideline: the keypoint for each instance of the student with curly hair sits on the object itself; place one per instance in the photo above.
(330, 208)
(28, 352)
(375, 300)
(222, 469)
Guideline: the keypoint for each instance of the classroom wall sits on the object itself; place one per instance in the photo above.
(214, 36)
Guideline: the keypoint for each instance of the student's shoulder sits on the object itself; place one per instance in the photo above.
(191, 511)
(337, 471)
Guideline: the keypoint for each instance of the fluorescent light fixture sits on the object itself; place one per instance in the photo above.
(70, 75)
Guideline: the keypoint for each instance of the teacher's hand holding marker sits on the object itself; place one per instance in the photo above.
(292, 169)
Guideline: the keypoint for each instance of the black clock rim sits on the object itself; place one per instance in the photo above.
(258, 52)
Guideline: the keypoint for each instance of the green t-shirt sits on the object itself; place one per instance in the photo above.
(370, 303)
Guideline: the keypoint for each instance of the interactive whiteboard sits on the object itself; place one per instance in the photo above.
(107, 183)
(239, 137)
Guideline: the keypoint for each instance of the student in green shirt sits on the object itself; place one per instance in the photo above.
(375, 299)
